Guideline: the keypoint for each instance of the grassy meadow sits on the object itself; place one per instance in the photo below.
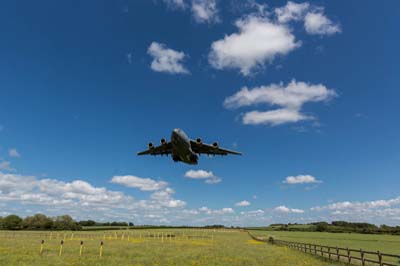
(147, 247)
(369, 242)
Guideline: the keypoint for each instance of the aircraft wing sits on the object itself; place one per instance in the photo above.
(163, 149)
(203, 148)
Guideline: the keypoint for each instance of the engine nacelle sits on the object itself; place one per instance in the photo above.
(150, 145)
(199, 141)
(215, 144)
(163, 141)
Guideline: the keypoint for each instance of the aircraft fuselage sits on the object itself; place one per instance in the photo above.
(181, 148)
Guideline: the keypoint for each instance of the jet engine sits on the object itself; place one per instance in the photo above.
(163, 141)
(199, 141)
(150, 145)
(215, 144)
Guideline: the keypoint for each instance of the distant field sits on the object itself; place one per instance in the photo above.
(147, 247)
(384, 243)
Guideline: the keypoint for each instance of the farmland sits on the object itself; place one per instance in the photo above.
(370, 242)
(146, 247)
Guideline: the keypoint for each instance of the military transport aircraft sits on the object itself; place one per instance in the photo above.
(185, 150)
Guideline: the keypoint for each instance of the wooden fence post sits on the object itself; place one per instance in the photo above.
(337, 253)
(61, 248)
(80, 250)
(380, 258)
(41, 247)
(362, 257)
(101, 249)
(329, 252)
(348, 255)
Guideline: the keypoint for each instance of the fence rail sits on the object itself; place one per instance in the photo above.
(350, 256)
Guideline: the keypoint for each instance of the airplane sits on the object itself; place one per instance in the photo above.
(183, 149)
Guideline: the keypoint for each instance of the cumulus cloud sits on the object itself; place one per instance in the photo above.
(284, 209)
(358, 206)
(290, 98)
(209, 176)
(315, 21)
(375, 211)
(253, 213)
(318, 23)
(242, 203)
(217, 211)
(81, 199)
(13, 153)
(166, 59)
(301, 179)
(164, 197)
(257, 41)
(144, 184)
(205, 11)
(6, 166)
(274, 118)
(291, 11)
(29, 190)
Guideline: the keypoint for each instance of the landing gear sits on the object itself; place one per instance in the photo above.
(175, 158)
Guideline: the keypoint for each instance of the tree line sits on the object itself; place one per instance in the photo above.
(338, 227)
(43, 222)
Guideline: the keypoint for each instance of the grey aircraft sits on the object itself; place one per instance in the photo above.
(183, 149)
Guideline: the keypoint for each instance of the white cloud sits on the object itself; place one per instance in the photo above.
(257, 41)
(217, 212)
(13, 153)
(29, 190)
(315, 21)
(81, 199)
(318, 23)
(375, 211)
(209, 176)
(175, 3)
(253, 213)
(358, 206)
(166, 60)
(291, 11)
(274, 118)
(164, 198)
(301, 179)
(243, 203)
(284, 209)
(205, 11)
(144, 184)
(290, 97)
(6, 166)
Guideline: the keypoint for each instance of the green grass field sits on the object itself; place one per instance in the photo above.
(384, 243)
(147, 247)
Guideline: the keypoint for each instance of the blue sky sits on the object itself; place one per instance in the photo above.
(306, 90)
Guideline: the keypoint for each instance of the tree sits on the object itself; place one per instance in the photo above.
(87, 223)
(12, 222)
(321, 227)
(38, 221)
(65, 222)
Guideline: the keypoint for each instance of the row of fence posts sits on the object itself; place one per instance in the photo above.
(80, 249)
(312, 247)
(158, 235)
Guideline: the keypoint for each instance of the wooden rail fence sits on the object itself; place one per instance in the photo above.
(350, 256)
